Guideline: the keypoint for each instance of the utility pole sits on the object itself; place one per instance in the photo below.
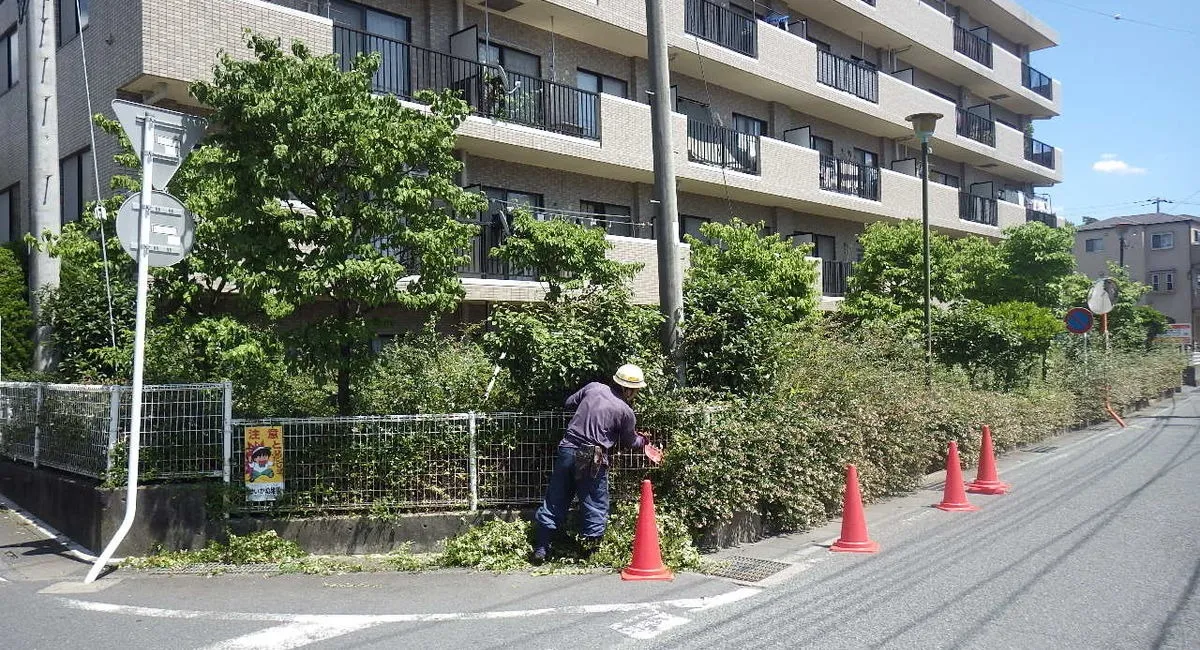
(670, 278)
(41, 81)
(1158, 203)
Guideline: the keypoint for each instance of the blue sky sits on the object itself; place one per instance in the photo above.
(1130, 128)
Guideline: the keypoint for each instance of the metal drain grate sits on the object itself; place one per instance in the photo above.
(206, 569)
(747, 569)
(1044, 449)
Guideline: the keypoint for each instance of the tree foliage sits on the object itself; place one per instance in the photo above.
(888, 282)
(16, 350)
(430, 373)
(317, 194)
(744, 294)
(1131, 327)
(585, 329)
(997, 345)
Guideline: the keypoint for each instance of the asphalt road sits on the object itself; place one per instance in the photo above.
(1097, 546)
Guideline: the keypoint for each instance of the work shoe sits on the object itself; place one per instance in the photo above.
(539, 555)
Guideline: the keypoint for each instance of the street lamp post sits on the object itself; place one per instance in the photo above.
(923, 126)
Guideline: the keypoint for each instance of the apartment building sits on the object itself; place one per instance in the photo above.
(788, 113)
(1162, 250)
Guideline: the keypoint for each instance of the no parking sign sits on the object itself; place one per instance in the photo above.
(1079, 320)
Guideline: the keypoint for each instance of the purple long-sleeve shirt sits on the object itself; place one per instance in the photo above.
(601, 418)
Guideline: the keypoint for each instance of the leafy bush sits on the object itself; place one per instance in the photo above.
(265, 547)
(16, 354)
(996, 345)
(428, 373)
(497, 545)
(744, 292)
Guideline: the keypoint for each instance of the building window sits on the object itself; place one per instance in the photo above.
(10, 58)
(1162, 281)
(8, 214)
(821, 45)
(691, 226)
(1093, 245)
(1162, 240)
(944, 179)
(750, 125)
(511, 59)
(69, 23)
(73, 171)
(824, 146)
(1196, 236)
(1170, 282)
(866, 158)
(601, 83)
(694, 110)
(617, 219)
(371, 21)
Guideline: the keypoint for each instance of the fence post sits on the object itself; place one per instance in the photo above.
(114, 425)
(37, 423)
(227, 433)
(472, 461)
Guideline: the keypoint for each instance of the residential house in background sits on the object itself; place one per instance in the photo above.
(1162, 250)
(786, 113)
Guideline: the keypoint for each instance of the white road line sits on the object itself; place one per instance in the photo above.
(648, 625)
(3, 580)
(292, 635)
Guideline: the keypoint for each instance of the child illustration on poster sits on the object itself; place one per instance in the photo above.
(264, 463)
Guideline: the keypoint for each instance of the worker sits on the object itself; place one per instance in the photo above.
(603, 417)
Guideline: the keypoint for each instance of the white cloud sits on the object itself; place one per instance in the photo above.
(1110, 163)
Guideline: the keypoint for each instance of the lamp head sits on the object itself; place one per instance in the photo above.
(924, 124)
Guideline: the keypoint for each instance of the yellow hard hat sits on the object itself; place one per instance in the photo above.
(630, 376)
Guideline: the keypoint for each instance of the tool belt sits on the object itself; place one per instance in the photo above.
(590, 461)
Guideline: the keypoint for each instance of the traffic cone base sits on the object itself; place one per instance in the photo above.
(647, 561)
(854, 537)
(954, 497)
(986, 479)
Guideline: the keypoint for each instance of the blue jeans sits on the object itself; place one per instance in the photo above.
(566, 483)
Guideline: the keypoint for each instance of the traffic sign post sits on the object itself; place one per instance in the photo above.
(164, 139)
(1079, 321)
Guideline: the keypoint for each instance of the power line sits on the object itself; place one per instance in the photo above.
(1119, 17)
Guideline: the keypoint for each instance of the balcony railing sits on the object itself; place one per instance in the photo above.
(1037, 82)
(834, 277)
(976, 127)
(717, 24)
(979, 209)
(1041, 217)
(851, 178)
(853, 77)
(710, 144)
(1039, 152)
(406, 69)
(976, 48)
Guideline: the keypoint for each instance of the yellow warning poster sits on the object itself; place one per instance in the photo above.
(264, 463)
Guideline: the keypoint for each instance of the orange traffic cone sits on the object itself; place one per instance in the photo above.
(954, 498)
(986, 479)
(854, 522)
(647, 557)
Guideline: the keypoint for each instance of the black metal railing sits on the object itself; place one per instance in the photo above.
(1039, 152)
(976, 127)
(710, 144)
(1037, 82)
(978, 49)
(870, 2)
(979, 209)
(834, 277)
(1041, 217)
(717, 24)
(850, 76)
(406, 69)
(851, 178)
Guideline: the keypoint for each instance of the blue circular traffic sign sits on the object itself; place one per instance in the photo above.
(1079, 320)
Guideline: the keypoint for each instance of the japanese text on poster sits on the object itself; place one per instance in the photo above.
(264, 463)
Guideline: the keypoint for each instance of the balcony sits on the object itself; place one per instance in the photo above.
(406, 69)
(1039, 153)
(856, 78)
(1041, 217)
(976, 48)
(709, 144)
(845, 177)
(834, 277)
(719, 25)
(1037, 82)
(976, 127)
(977, 209)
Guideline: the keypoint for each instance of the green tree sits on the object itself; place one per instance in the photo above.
(888, 283)
(586, 327)
(1036, 260)
(1130, 327)
(318, 196)
(997, 345)
(744, 295)
(16, 353)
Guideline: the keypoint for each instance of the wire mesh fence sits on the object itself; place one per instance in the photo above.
(419, 462)
(84, 429)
